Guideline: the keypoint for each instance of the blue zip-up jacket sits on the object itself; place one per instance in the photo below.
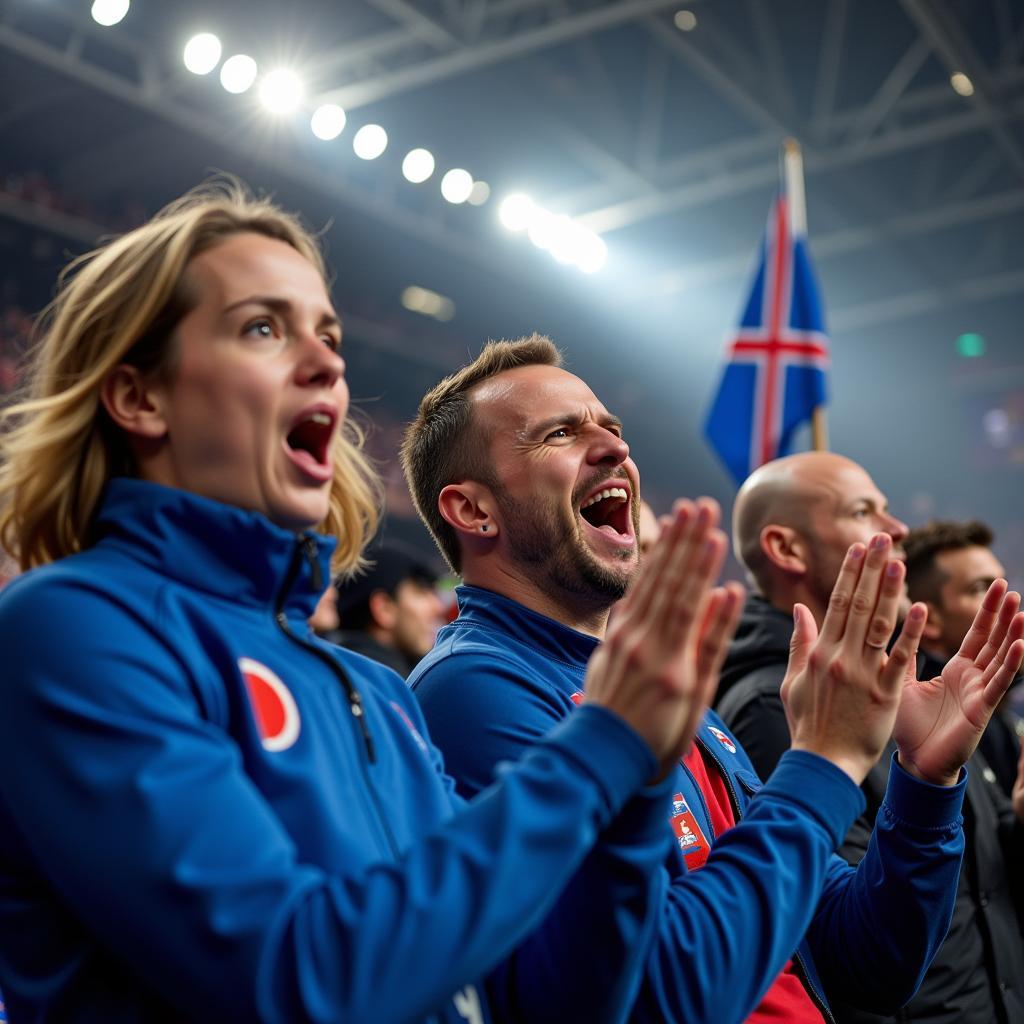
(207, 813)
(502, 676)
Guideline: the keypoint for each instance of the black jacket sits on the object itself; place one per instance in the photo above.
(977, 976)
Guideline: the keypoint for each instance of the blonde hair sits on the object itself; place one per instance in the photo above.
(118, 304)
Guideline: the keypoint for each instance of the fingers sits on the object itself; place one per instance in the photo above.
(673, 529)
(899, 668)
(723, 612)
(1000, 682)
(805, 632)
(690, 565)
(1002, 635)
(887, 611)
(865, 600)
(987, 616)
(842, 595)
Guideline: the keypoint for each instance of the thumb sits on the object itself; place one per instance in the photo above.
(805, 632)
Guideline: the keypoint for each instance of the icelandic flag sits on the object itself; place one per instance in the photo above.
(774, 376)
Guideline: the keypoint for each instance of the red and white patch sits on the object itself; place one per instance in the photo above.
(273, 706)
(723, 739)
(577, 698)
(692, 842)
(420, 741)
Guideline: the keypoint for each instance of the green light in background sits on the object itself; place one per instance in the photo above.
(970, 346)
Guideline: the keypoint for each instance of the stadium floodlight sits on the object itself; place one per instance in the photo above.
(570, 241)
(238, 73)
(328, 121)
(594, 254)
(370, 141)
(109, 12)
(202, 53)
(962, 85)
(480, 194)
(418, 165)
(280, 91)
(457, 185)
(545, 227)
(517, 211)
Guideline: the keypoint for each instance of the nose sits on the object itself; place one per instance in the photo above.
(896, 528)
(318, 363)
(607, 446)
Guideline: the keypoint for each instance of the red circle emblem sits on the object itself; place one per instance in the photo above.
(273, 706)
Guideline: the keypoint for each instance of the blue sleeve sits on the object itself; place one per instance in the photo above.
(138, 812)
(586, 961)
(879, 926)
(724, 932)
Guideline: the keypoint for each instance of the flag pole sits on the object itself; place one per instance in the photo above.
(796, 206)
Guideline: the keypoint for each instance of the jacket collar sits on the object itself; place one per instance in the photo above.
(222, 550)
(546, 636)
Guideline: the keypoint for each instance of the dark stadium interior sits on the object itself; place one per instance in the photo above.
(663, 139)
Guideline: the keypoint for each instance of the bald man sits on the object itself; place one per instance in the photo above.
(793, 521)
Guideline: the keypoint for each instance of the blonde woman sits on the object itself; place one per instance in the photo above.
(205, 811)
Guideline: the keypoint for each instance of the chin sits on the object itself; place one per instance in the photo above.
(300, 516)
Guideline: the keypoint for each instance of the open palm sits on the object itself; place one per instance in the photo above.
(940, 720)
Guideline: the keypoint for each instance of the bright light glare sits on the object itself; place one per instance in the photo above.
(418, 165)
(516, 211)
(480, 194)
(327, 121)
(109, 12)
(370, 141)
(595, 254)
(961, 84)
(238, 73)
(202, 53)
(281, 91)
(545, 227)
(457, 185)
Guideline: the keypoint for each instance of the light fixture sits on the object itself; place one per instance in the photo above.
(457, 185)
(109, 12)
(418, 165)
(327, 122)
(202, 53)
(238, 73)
(370, 141)
(281, 91)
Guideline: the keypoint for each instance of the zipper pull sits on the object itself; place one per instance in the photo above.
(355, 703)
(311, 553)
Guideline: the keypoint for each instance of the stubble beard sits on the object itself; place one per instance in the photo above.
(540, 536)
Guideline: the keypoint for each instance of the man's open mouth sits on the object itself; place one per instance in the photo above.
(609, 510)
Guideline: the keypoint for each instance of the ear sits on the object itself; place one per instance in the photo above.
(784, 548)
(383, 609)
(933, 627)
(132, 404)
(470, 510)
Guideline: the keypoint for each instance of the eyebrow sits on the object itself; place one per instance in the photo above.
(279, 305)
(572, 419)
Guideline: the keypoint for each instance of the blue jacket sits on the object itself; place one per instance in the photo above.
(501, 677)
(207, 813)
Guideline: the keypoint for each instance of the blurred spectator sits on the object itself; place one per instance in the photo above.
(392, 612)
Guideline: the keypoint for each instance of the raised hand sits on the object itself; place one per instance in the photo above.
(658, 667)
(941, 720)
(842, 690)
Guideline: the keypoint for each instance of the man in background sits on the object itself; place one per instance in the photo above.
(390, 613)
(792, 522)
(950, 566)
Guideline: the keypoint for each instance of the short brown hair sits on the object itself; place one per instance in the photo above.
(924, 577)
(438, 447)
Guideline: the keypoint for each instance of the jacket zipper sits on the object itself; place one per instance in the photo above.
(805, 977)
(306, 548)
